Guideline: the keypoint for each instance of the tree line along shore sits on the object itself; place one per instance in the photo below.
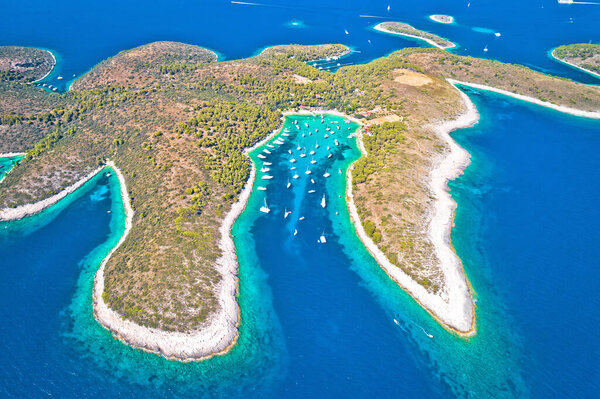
(176, 124)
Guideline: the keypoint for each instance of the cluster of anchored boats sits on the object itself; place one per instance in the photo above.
(324, 134)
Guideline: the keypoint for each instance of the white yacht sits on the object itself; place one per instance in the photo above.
(322, 239)
(288, 184)
(323, 203)
(261, 156)
(267, 177)
(265, 208)
(326, 174)
(261, 188)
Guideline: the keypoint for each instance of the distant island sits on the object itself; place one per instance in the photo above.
(402, 29)
(175, 127)
(442, 19)
(583, 56)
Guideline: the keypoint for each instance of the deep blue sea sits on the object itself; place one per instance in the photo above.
(318, 319)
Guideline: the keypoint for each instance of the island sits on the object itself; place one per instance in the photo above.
(402, 29)
(583, 56)
(176, 127)
(442, 19)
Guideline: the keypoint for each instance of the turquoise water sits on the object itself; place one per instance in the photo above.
(6, 164)
(318, 318)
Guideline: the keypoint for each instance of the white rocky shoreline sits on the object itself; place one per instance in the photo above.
(579, 68)
(379, 27)
(8, 214)
(454, 308)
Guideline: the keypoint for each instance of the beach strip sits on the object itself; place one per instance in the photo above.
(453, 308)
(560, 108)
(579, 68)
(51, 69)
(22, 211)
(379, 27)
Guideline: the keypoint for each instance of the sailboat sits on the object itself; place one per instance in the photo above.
(323, 203)
(336, 142)
(286, 213)
(295, 231)
(265, 208)
(296, 176)
(322, 239)
(264, 169)
(312, 161)
(329, 156)
(312, 181)
(289, 184)
(388, 7)
(308, 172)
(326, 174)
(292, 160)
(312, 152)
